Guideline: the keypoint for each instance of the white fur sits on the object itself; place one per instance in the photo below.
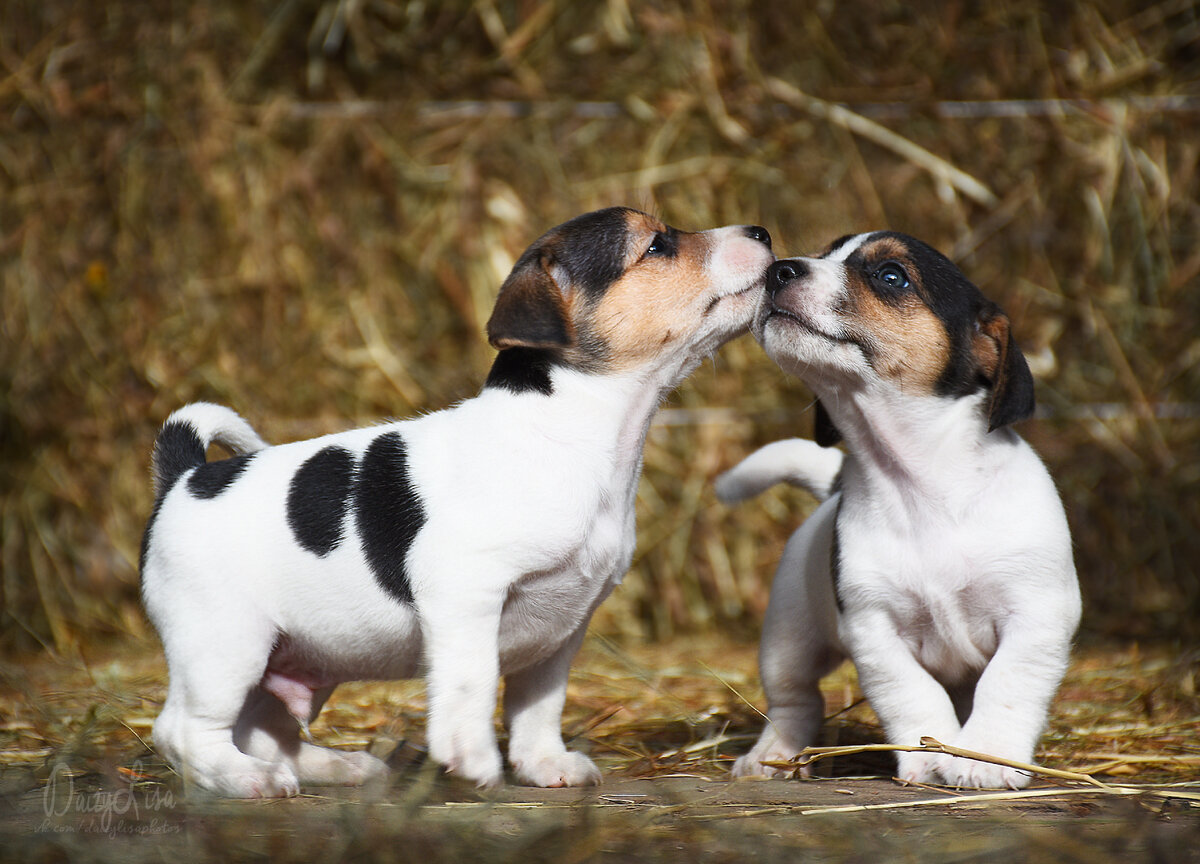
(529, 502)
(955, 562)
(795, 461)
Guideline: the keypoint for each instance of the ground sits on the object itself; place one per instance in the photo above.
(78, 781)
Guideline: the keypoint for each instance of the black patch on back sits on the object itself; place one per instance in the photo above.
(318, 498)
(210, 480)
(177, 450)
(522, 370)
(591, 248)
(389, 513)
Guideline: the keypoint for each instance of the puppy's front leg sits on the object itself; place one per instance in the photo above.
(533, 704)
(1012, 700)
(462, 652)
(909, 702)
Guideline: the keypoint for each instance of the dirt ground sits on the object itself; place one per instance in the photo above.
(79, 783)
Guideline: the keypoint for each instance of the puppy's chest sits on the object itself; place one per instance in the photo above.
(940, 586)
(545, 608)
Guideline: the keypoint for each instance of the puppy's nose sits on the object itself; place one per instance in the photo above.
(759, 233)
(782, 272)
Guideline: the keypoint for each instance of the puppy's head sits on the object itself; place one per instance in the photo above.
(617, 289)
(884, 307)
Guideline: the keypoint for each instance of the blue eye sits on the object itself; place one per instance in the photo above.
(893, 276)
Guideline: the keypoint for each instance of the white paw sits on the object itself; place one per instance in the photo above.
(361, 767)
(276, 782)
(971, 774)
(561, 769)
(921, 767)
(479, 764)
(770, 748)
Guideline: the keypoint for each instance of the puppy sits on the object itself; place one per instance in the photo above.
(464, 545)
(940, 561)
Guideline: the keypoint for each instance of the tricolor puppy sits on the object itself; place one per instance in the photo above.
(940, 561)
(464, 545)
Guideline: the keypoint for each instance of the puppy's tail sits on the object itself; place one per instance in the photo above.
(796, 461)
(184, 439)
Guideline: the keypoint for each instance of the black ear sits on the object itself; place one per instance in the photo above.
(1004, 366)
(824, 432)
(530, 311)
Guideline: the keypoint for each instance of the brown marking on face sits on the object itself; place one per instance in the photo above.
(653, 303)
(907, 342)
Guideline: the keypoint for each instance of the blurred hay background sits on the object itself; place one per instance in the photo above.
(303, 209)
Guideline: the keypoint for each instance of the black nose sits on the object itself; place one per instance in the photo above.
(782, 272)
(759, 233)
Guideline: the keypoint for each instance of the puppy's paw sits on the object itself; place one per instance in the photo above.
(561, 769)
(481, 765)
(770, 748)
(921, 767)
(970, 774)
(989, 739)
(361, 767)
(278, 781)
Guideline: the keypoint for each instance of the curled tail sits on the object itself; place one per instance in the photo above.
(185, 437)
(796, 461)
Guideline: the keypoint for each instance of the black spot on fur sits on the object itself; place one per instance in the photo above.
(318, 498)
(177, 450)
(389, 513)
(210, 480)
(522, 370)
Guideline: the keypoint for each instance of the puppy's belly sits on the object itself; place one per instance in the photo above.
(540, 618)
(336, 649)
(346, 645)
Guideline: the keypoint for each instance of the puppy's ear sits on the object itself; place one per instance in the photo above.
(531, 310)
(824, 432)
(1004, 366)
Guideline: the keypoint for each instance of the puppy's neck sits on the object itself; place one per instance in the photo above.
(600, 413)
(912, 451)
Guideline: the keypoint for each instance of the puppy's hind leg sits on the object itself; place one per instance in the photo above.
(799, 647)
(267, 730)
(211, 675)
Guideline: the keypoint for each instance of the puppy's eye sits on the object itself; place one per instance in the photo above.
(893, 276)
(663, 245)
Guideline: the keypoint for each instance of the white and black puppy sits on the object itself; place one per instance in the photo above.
(464, 545)
(940, 561)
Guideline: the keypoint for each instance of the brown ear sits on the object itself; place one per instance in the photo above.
(824, 432)
(1003, 364)
(531, 309)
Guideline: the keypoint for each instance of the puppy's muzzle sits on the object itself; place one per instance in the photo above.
(783, 273)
